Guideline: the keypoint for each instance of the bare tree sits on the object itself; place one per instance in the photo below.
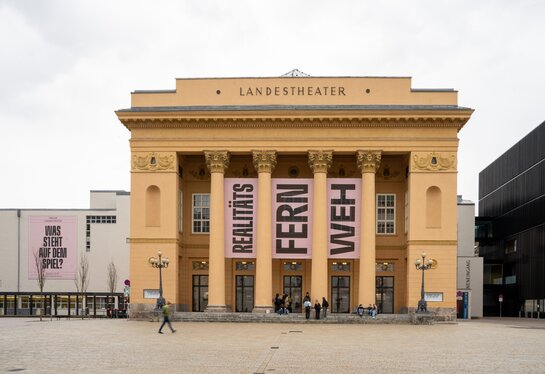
(82, 280)
(112, 280)
(40, 277)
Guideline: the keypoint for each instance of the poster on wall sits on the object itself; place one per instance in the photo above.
(54, 241)
(292, 218)
(240, 217)
(344, 206)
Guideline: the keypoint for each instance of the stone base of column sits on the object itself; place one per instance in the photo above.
(216, 309)
(263, 309)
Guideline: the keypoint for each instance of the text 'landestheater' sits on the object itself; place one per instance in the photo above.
(258, 186)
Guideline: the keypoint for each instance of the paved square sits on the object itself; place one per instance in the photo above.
(120, 346)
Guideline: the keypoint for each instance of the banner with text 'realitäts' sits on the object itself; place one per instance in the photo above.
(240, 217)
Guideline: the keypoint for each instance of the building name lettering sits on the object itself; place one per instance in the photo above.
(293, 91)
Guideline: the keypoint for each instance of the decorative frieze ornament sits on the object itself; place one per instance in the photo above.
(264, 161)
(433, 161)
(153, 161)
(320, 161)
(368, 161)
(217, 161)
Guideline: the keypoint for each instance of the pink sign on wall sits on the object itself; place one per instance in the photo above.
(240, 217)
(344, 207)
(54, 241)
(292, 218)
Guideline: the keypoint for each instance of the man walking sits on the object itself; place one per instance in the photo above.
(166, 317)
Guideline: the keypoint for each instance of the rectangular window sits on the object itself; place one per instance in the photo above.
(201, 213)
(493, 274)
(510, 246)
(180, 211)
(386, 206)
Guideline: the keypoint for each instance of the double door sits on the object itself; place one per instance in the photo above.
(293, 286)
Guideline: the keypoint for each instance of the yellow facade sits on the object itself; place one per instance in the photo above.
(399, 141)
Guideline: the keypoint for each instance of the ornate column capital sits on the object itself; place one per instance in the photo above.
(264, 161)
(368, 161)
(217, 161)
(320, 161)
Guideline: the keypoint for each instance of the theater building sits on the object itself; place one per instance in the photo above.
(327, 185)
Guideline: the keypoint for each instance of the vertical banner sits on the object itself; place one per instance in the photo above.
(54, 241)
(240, 217)
(344, 207)
(292, 218)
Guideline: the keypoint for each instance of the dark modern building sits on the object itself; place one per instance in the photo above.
(510, 229)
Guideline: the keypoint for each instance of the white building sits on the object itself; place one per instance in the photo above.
(99, 233)
(470, 266)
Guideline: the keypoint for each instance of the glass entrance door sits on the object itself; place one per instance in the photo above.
(293, 286)
(385, 295)
(340, 294)
(245, 293)
(200, 293)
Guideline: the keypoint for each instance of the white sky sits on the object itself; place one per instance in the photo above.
(65, 67)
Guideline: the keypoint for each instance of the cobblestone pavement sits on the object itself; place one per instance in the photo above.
(119, 346)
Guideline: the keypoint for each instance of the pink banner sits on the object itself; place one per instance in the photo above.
(344, 206)
(240, 217)
(54, 241)
(292, 218)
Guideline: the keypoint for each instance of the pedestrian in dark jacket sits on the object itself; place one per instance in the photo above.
(317, 308)
(325, 305)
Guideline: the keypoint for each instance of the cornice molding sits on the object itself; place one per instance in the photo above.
(294, 122)
(431, 242)
(153, 240)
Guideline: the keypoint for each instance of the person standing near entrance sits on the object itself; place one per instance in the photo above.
(317, 308)
(325, 305)
(166, 318)
(307, 304)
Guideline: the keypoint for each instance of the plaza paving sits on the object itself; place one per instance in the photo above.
(121, 346)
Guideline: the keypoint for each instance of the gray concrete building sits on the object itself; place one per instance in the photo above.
(61, 238)
(470, 265)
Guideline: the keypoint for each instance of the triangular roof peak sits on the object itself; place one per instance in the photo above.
(295, 73)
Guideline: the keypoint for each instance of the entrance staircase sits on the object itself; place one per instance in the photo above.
(291, 318)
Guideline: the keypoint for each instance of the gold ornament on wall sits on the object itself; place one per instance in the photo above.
(153, 161)
(433, 161)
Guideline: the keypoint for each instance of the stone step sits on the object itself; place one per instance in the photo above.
(292, 318)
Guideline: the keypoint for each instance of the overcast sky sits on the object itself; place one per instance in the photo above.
(65, 67)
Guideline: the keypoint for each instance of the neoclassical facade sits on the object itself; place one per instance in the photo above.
(327, 185)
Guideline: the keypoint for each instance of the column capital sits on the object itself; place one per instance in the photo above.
(368, 161)
(264, 161)
(217, 161)
(320, 161)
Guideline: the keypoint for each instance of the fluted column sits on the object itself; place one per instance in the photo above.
(368, 163)
(217, 162)
(319, 162)
(264, 163)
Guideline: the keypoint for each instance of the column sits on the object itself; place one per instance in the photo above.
(264, 163)
(217, 162)
(319, 162)
(368, 163)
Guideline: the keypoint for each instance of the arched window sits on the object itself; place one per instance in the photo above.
(433, 207)
(153, 206)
